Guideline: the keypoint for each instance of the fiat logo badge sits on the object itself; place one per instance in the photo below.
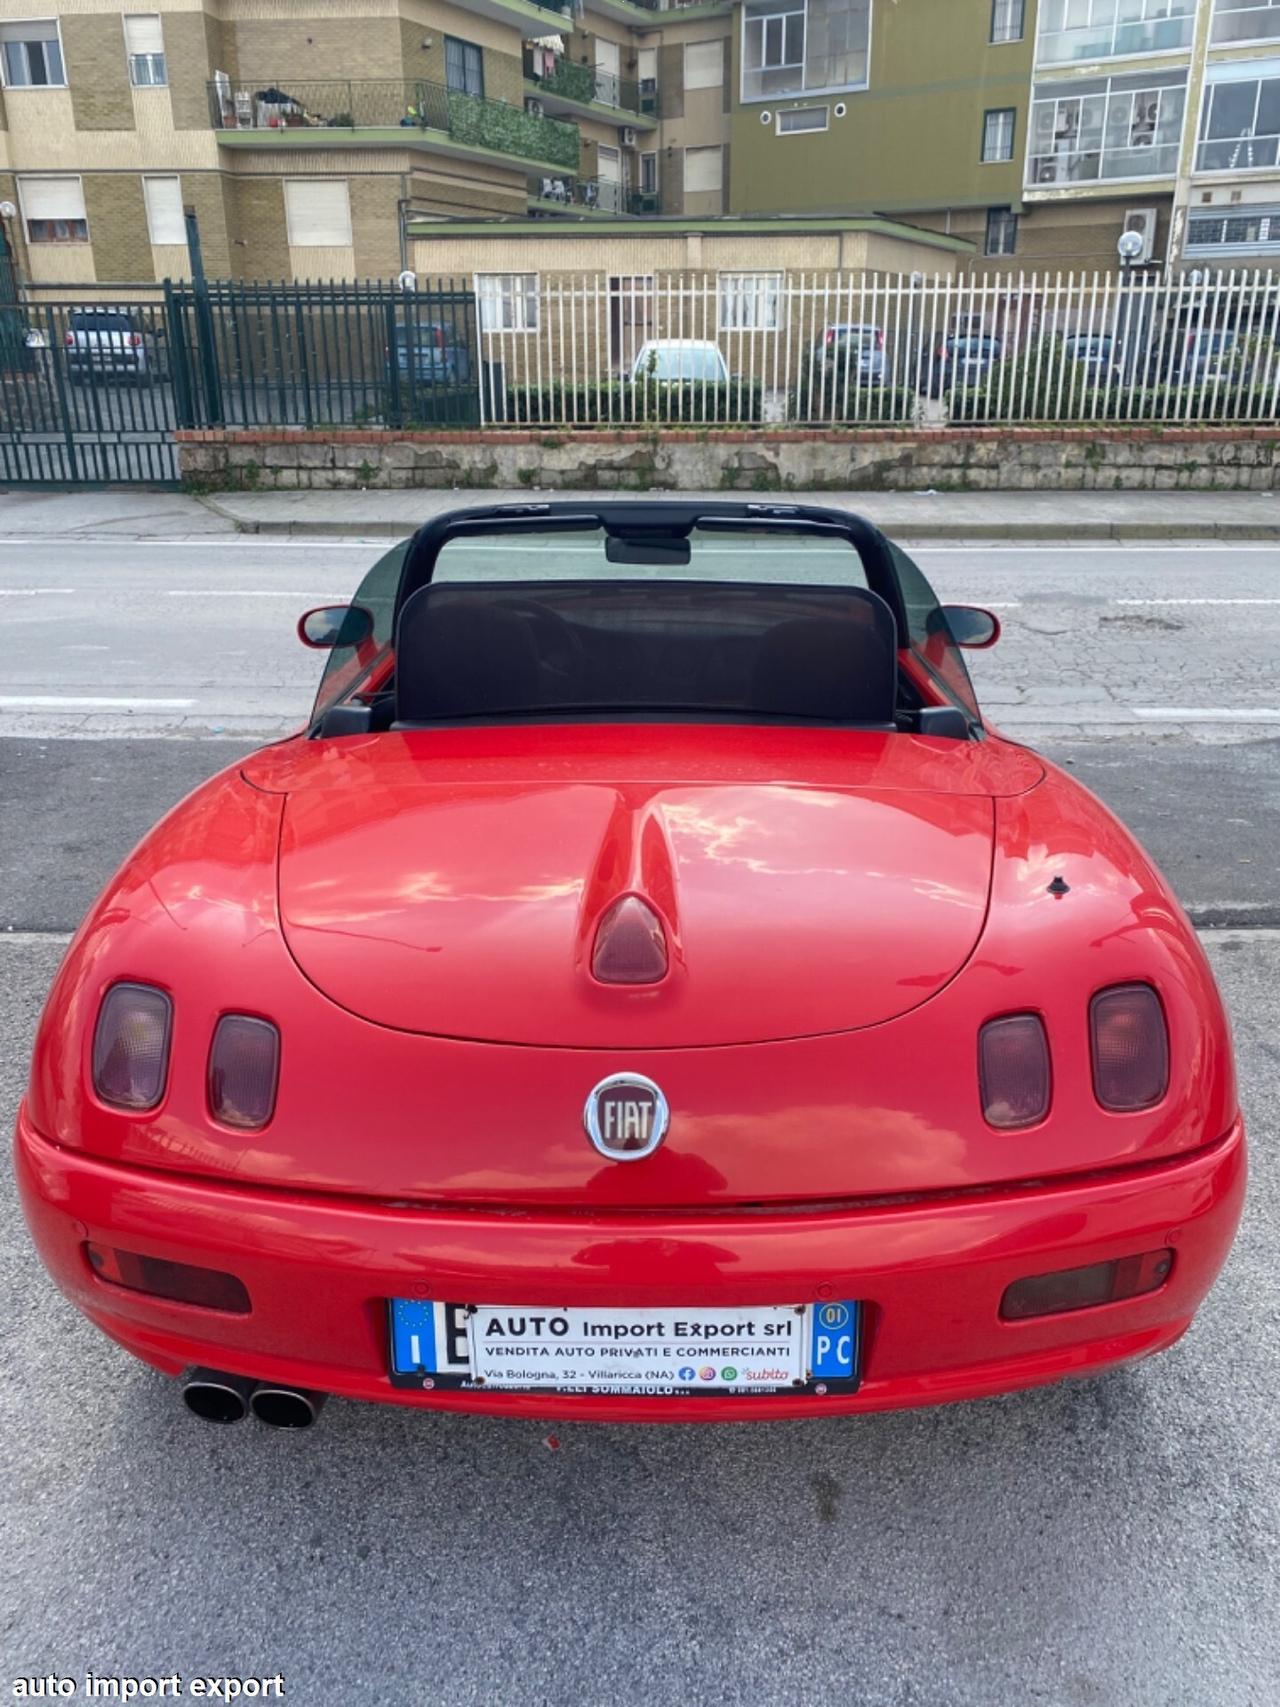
(626, 1117)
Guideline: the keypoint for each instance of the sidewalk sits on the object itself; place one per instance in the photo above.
(1064, 516)
(906, 515)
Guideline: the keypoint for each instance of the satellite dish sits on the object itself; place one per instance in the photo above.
(1131, 245)
(408, 279)
(8, 210)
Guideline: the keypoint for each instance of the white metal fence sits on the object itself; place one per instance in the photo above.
(862, 349)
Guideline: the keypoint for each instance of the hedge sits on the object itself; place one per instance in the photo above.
(612, 403)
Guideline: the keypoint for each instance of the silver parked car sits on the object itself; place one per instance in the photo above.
(113, 341)
(679, 359)
(857, 345)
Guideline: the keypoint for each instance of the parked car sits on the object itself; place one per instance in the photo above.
(633, 996)
(959, 360)
(1098, 354)
(858, 346)
(110, 341)
(429, 350)
(1196, 355)
(676, 359)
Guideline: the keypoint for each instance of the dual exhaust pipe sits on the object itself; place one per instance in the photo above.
(218, 1398)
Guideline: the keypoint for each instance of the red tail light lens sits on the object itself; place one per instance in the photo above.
(879, 340)
(244, 1066)
(1079, 1288)
(831, 334)
(631, 947)
(439, 337)
(131, 1046)
(135, 338)
(1013, 1071)
(178, 1281)
(69, 340)
(1130, 1047)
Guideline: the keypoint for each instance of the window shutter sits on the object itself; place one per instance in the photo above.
(317, 212)
(142, 33)
(702, 169)
(52, 198)
(703, 64)
(164, 209)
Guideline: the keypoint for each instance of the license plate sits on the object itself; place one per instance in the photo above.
(698, 1353)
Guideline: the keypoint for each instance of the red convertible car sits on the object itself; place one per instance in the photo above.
(645, 990)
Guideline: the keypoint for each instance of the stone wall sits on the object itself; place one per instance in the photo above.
(976, 459)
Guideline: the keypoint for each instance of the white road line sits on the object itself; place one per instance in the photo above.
(70, 702)
(1194, 601)
(242, 542)
(31, 592)
(251, 593)
(1204, 713)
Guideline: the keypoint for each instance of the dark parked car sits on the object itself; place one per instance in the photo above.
(1196, 355)
(1097, 352)
(858, 346)
(958, 361)
(429, 350)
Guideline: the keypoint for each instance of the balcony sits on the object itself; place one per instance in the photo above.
(1238, 154)
(1116, 38)
(1099, 165)
(1244, 20)
(306, 113)
(567, 193)
(580, 88)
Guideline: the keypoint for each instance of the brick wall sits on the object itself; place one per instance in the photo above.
(263, 248)
(192, 42)
(118, 226)
(97, 71)
(374, 225)
(206, 192)
(963, 459)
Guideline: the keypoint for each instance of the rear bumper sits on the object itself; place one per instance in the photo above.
(931, 1273)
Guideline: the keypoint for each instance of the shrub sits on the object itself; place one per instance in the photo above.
(614, 403)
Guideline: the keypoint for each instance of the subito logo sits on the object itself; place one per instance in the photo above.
(626, 1117)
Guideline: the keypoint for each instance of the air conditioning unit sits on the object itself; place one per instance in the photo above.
(534, 107)
(1143, 221)
(627, 136)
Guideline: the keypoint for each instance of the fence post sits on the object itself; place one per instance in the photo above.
(304, 371)
(394, 405)
(179, 359)
(204, 321)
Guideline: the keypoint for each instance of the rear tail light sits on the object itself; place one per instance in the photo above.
(631, 947)
(439, 337)
(131, 1046)
(831, 334)
(1130, 1044)
(1080, 1288)
(69, 339)
(135, 338)
(879, 340)
(244, 1065)
(179, 1281)
(1013, 1071)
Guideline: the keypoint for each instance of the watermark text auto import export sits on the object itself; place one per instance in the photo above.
(167, 1686)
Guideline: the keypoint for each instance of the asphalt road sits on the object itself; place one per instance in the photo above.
(1089, 1545)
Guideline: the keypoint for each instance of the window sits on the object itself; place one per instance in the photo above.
(1109, 128)
(703, 170)
(1075, 30)
(317, 213)
(997, 134)
(463, 66)
(1245, 20)
(144, 45)
(31, 55)
(1240, 120)
(790, 47)
(1241, 228)
(508, 301)
(749, 302)
(163, 197)
(53, 209)
(704, 65)
(802, 118)
(1008, 19)
(649, 174)
(1002, 231)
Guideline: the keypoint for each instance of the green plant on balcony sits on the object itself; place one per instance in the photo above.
(510, 130)
(574, 82)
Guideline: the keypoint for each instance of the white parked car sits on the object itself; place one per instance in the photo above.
(680, 359)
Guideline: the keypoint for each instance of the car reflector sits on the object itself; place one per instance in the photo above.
(1013, 1070)
(1079, 1288)
(631, 946)
(244, 1063)
(180, 1282)
(131, 1046)
(1130, 1047)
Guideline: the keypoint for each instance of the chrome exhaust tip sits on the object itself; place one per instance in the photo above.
(215, 1397)
(285, 1407)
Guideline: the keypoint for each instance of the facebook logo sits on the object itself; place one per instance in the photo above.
(835, 1342)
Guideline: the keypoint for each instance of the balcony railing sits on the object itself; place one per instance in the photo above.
(386, 103)
(604, 195)
(1242, 22)
(1115, 39)
(588, 84)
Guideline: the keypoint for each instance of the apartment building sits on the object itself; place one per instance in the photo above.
(304, 131)
(332, 138)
